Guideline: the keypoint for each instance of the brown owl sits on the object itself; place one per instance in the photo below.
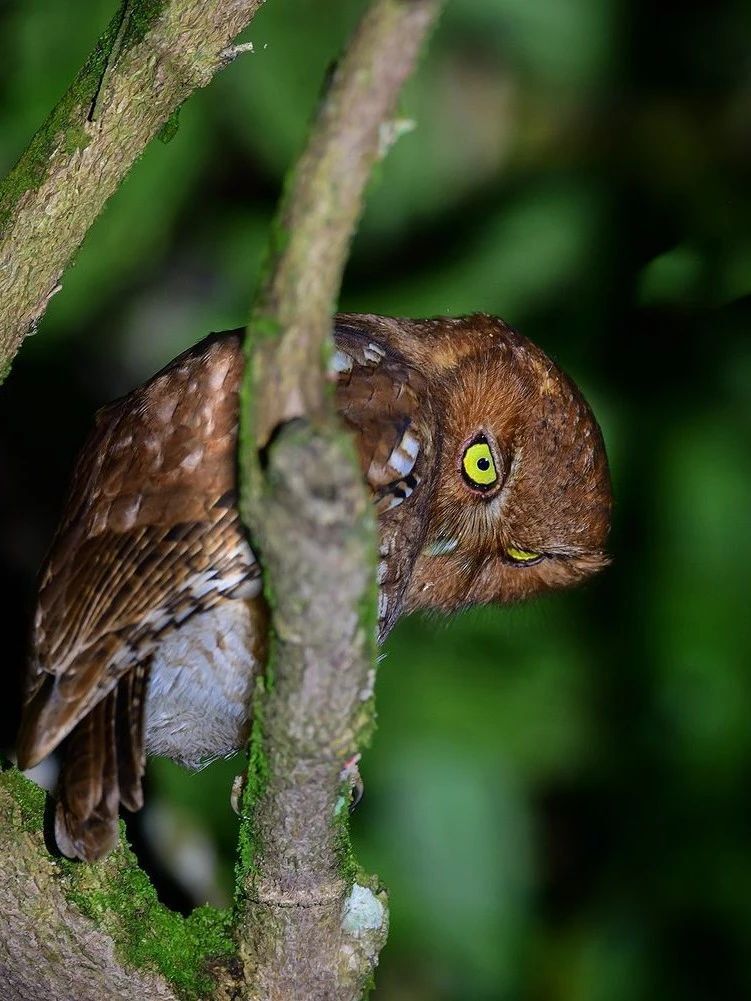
(487, 471)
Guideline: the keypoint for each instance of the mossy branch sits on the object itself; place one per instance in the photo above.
(307, 928)
(92, 931)
(150, 58)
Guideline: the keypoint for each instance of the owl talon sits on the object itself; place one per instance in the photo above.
(350, 774)
(236, 795)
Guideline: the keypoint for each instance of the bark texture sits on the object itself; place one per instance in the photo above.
(319, 553)
(48, 947)
(311, 927)
(148, 61)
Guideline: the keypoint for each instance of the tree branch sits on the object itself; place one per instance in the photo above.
(309, 928)
(322, 205)
(89, 932)
(151, 57)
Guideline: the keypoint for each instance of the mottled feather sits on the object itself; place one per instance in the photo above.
(151, 623)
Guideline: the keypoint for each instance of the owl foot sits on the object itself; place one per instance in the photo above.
(350, 774)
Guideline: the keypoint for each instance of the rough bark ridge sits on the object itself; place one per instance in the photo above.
(148, 61)
(69, 955)
(306, 924)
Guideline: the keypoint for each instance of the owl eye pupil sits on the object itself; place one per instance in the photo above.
(478, 467)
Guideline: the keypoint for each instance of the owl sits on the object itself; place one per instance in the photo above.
(490, 482)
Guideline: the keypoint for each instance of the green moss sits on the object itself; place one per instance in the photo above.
(368, 987)
(347, 864)
(64, 126)
(255, 786)
(349, 868)
(143, 15)
(118, 897)
(367, 610)
(29, 797)
(265, 326)
(76, 137)
(367, 723)
(279, 234)
(123, 902)
(251, 485)
(251, 481)
(367, 606)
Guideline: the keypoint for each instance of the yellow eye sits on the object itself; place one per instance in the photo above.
(522, 555)
(478, 465)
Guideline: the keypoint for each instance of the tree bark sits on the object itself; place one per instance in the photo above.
(311, 926)
(148, 61)
(49, 948)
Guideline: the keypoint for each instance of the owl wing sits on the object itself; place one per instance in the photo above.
(151, 532)
(150, 536)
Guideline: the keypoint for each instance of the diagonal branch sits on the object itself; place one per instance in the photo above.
(148, 61)
(65, 929)
(311, 927)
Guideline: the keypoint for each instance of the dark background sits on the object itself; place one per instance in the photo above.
(557, 795)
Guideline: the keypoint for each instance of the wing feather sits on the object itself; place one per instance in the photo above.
(151, 533)
(88, 789)
(147, 537)
(131, 694)
(386, 403)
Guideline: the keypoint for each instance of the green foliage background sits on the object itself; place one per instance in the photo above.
(557, 795)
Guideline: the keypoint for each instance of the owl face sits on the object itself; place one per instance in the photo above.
(521, 499)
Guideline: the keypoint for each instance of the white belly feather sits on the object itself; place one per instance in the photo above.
(200, 687)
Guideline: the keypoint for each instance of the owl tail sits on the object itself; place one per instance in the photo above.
(102, 767)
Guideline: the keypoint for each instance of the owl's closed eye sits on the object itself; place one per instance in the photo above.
(487, 471)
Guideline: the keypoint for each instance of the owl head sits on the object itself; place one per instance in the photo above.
(520, 498)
